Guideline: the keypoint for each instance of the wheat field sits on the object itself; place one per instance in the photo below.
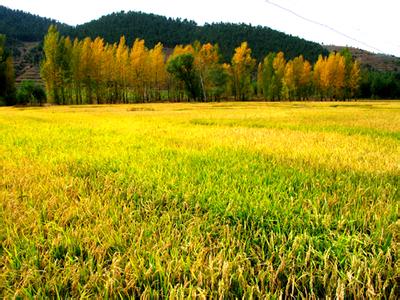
(218, 200)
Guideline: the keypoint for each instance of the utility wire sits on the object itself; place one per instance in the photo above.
(322, 25)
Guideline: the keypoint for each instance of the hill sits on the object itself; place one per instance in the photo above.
(25, 32)
(22, 26)
(372, 61)
(154, 28)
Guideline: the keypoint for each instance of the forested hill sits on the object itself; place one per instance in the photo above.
(153, 28)
(25, 27)
(21, 26)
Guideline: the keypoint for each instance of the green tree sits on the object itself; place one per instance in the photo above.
(7, 77)
(30, 93)
(182, 68)
(51, 65)
(267, 76)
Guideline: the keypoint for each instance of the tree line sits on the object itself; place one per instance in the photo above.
(92, 71)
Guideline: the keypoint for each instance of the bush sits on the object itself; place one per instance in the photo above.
(30, 93)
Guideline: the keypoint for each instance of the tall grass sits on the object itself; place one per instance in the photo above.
(226, 200)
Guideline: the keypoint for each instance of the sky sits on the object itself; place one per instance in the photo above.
(366, 24)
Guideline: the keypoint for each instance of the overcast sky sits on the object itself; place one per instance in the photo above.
(366, 24)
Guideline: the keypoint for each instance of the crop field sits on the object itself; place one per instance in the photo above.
(220, 200)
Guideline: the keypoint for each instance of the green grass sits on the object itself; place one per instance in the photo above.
(200, 200)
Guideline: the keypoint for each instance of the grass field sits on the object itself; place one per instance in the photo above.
(201, 200)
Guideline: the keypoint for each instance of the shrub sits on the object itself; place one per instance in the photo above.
(30, 92)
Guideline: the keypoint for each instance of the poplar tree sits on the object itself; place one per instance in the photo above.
(138, 68)
(267, 76)
(279, 64)
(207, 63)
(157, 70)
(242, 68)
(50, 68)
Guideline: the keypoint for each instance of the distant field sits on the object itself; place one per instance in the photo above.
(201, 200)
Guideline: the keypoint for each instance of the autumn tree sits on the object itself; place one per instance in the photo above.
(353, 82)
(242, 69)
(50, 68)
(279, 65)
(98, 71)
(64, 59)
(122, 69)
(305, 88)
(352, 74)
(110, 73)
(297, 78)
(211, 73)
(138, 68)
(289, 86)
(318, 70)
(157, 71)
(91, 71)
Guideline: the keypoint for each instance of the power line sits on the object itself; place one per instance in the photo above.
(322, 25)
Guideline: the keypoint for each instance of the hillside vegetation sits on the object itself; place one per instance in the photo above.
(153, 28)
(170, 32)
(230, 200)
(24, 27)
(372, 61)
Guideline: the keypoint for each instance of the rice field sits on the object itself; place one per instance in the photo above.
(221, 200)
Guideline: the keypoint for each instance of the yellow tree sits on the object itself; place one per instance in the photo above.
(305, 80)
(64, 57)
(333, 76)
(352, 76)
(339, 78)
(98, 68)
(138, 68)
(110, 73)
(206, 62)
(319, 67)
(242, 68)
(157, 70)
(289, 83)
(50, 69)
(355, 76)
(181, 49)
(279, 64)
(122, 67)
(76, 69)
(298, 67)
(327, 75)
(87, 65)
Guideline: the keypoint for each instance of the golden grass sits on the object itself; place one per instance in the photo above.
(200, 200)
